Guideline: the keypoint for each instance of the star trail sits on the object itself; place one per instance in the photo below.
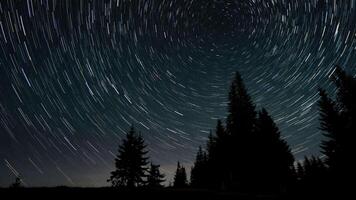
(74, 75)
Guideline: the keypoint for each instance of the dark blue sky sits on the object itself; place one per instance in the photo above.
(75, 74)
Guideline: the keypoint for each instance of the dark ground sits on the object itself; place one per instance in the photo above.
(111, 193)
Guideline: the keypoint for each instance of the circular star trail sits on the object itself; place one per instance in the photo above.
(74, 75)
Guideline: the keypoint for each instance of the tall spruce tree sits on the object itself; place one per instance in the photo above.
(249, 154)
(331, 124)
(273, 158)
(180, 177)
(199, 173)
(218, 157)
(241, 110)
(209, 170)
(338, 122)
(346, 101)
(239, 126)
(155, 178)
(131, 162)
(212, 169)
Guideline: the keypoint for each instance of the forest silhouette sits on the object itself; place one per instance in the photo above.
(246, 157)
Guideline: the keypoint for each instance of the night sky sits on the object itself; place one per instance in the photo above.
(74, 75)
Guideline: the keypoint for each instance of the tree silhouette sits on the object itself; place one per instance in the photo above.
(248, 155)
(130, 162)
(273, 166)
(218, 158)
(180, 177)
(199, 171)
(331, 124)
(346, 93)
(312, 174)
(154, 178)
(207, 171)
(338, 122)
(241, 110)
(240, 126)
(211, 146)
(311, 170)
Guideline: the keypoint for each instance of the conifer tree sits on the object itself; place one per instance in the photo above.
(218, 157)
(331, 124)
(249, 154)
(131, 162)
(312, 170)
(240, 127)
(312, 174)
(154, 178)
(338, 123)
(199, 172)
(180, 177)
(344, 169)
(241, 110)
(211, 147)
(346, 93)
(272, 149)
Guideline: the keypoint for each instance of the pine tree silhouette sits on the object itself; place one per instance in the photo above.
(272, 149)
(211, 146)
(346, 93)
(241, 110)
(331, 124)
(199, 172)
(218, 158)
(338, 122)
(344, 169)
(248, 155)
(155, 178)
(312, 174)
(300, 171)
(239, 126)
(130, 162)
(180, 177)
